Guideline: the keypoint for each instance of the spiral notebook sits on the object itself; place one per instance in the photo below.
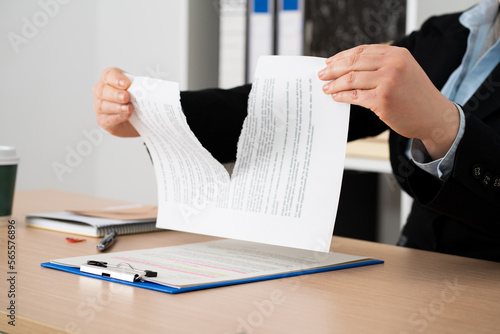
(97, 223)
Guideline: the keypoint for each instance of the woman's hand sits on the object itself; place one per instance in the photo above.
(390, 82)
(112, 103)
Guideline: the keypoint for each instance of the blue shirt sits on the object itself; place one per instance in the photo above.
(478, 62)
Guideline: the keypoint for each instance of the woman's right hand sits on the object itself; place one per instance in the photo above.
(112, 103)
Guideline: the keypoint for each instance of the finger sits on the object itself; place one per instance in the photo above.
(359, 50)
(114, 76)
(111, 94)
(352, 80)
(355, 62)
(111, 108)
(360, 97)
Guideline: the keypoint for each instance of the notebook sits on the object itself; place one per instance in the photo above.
(97, 223)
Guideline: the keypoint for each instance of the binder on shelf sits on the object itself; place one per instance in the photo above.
(260, 33)
(232, 43)
(290, 28)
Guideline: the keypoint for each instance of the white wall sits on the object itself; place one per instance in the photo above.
(47, 77)
(420, 10)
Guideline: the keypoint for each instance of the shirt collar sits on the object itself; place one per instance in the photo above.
(482, 14)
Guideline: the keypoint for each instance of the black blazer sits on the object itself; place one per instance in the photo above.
(458, 216)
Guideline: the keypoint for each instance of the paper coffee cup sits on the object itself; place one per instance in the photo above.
(8, 171)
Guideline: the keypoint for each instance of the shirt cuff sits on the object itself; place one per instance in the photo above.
(440, 168)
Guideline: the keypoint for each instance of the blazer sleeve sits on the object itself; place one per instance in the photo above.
(471, 194)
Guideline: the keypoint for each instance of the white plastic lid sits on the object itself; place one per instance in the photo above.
(8, 155)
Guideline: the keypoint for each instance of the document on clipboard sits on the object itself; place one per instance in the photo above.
(188, 267)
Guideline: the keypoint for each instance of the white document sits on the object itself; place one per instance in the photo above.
(218, 261)
(286, 182)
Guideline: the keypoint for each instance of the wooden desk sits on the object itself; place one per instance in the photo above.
(412, 292)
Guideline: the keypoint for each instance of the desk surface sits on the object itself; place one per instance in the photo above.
(412, 292)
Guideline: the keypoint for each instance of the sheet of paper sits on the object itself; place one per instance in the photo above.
(217, 261)
(286, 182)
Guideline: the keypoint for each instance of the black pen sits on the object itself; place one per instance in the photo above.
(107, 241)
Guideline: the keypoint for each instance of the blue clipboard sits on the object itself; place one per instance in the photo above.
(171, 290)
